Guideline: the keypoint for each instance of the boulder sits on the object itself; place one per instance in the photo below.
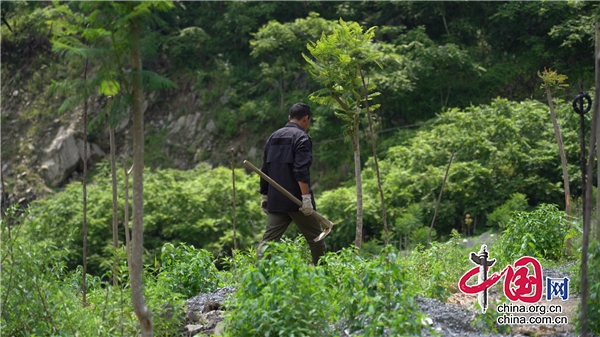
(185, 127)
(64, 155)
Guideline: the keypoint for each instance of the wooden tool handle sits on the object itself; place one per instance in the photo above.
(273, 183)
(321, 219)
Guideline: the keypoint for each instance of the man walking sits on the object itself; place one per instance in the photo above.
(287, 158)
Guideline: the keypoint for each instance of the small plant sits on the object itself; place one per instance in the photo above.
(379, 297)
(234, 267)
(594, 289)
(540, 234)
(187, 271)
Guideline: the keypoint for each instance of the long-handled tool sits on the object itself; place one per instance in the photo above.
(328, 225)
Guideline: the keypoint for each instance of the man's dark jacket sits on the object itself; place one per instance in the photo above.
(286, 159)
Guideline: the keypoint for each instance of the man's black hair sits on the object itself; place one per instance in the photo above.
(299, 110)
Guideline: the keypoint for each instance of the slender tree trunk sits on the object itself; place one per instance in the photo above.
(4, 195)
(358, 175)
(588, 195)
(281, 95)
(437, 206)
(84, 184)
(357, 172)
(596, 112)
(379, 185)
(137, 295)
(126, 215)
(234, 215)
(561, 150)
(115, 207)
(443, 14)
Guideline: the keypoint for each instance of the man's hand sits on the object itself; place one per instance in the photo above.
(263, 204)
(307, 208)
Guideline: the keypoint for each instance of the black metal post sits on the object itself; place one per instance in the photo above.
(583, 159)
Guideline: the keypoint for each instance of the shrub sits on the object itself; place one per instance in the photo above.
(540, 234)
(374, 295)
(421, 234)
(284, 295)
(41, 297)
(594, 288)
(501, 149)
(235, 266)
(192, 207)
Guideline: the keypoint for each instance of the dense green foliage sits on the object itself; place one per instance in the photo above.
(503, 213)
(501, 149)
(594, 288)
(79, 36)
(41, 297)
(193, 206)
(186, 270)
(364, 292)
(243, 60)
(284, 295)
(466, 71)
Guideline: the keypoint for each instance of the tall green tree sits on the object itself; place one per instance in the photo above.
(109, 46)
(336, 64)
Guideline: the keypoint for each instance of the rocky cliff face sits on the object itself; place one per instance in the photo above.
(43, 150)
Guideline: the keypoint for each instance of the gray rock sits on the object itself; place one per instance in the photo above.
(198, 303)
(185, 125)
(122, 124)
(253, 152)
(194, 329)
(63, 156)
(211, 126)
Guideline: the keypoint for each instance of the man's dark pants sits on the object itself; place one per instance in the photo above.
(277, 223)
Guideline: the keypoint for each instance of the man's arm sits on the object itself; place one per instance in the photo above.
(303, 159)
(302, 163)
(304, 187)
